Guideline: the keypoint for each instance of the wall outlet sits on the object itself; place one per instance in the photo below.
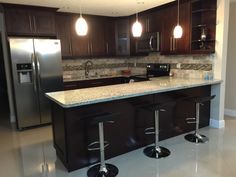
(178, 65)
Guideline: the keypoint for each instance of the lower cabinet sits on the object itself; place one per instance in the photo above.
(72, 131)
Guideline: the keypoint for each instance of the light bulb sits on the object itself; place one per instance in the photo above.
(178, 32)
(81, 26)
(137, 29)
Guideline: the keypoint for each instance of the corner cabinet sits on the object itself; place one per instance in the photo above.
(29, 21)
(203, 26)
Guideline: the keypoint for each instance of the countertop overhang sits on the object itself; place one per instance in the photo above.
(81, 97)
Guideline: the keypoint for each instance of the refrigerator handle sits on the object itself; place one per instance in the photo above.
(34, 72)
(38, 71)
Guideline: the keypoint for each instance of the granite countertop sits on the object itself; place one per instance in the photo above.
(80, 97)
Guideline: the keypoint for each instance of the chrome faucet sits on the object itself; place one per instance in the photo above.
(87, 66)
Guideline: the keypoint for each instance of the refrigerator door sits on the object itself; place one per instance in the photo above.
(24, 82)
(49, 72)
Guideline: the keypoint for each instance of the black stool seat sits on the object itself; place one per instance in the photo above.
(102, 117)
(201, 99)
(102, 169)
(157, 106)
(196, 137)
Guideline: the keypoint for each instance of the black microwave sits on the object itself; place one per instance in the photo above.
(148, 42)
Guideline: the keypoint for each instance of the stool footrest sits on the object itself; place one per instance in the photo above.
(94, 146)
(149, 131)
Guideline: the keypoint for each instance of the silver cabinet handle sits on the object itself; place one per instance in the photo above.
(88, 49)
(107, 47)
(150, 42)
(30, 23)
(171, 43)
(34, 73)
(35, 26)
(174, 44)
(91, 46)
(38, 68)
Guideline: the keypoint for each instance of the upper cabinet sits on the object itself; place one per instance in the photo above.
(170, 45)
(122, 36)
(203, 26)
(63, 32)
(99, 41)
(29, 21)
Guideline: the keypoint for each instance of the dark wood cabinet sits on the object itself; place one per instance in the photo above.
(63, 31)
(170, 45)
(29, 21)
(110, 37)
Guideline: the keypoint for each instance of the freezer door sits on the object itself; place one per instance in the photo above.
(49, 69)
(24, 82)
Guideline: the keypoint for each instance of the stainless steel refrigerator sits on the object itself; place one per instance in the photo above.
(36, 69)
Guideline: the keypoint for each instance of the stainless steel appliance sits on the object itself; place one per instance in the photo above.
(36, 69)
(148, 42)
(158, 69)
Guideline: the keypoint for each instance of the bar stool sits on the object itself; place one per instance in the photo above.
(102, 169)
(196, 137)
(155, 151)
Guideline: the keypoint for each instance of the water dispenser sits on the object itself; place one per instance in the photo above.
(24, 72)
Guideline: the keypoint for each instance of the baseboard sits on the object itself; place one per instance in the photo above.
(217, 123)
(230, 112)
(12, 118)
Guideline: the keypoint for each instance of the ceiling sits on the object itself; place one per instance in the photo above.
(95, 7)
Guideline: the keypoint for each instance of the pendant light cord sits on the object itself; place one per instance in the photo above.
(178, 13)
(80, 8)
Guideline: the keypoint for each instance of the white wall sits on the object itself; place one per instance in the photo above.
(230, 94)
(217, 105)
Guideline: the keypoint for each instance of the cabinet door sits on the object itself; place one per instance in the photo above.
(169, 15)
(122, 37)
(110, 37)
(80, 44)
(97, 36)
(63, 24)
(183, 44)
(44, 22)
(18, 21)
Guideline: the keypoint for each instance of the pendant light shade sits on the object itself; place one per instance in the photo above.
(81, 26)
(178, 30)
(137, 29)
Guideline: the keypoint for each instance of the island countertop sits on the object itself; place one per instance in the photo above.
(80, 97)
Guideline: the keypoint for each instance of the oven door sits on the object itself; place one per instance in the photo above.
(148, 42)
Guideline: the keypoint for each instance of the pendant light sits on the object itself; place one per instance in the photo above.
(137, 27)
(178, 31)
(81, 26)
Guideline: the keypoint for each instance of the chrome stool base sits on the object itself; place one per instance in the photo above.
(152, 152)
(94, 171)
(196, 138)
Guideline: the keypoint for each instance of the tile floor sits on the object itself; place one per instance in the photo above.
(21, 156)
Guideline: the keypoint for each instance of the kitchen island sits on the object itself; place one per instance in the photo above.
(72, 132)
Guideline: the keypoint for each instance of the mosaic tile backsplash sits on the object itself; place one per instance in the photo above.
(181, 66)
